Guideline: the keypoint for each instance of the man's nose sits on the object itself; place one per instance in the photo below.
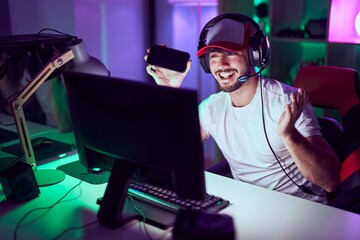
(224, 60)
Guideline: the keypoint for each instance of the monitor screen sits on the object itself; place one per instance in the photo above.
(136, 129)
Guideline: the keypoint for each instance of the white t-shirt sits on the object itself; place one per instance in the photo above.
(239, 133)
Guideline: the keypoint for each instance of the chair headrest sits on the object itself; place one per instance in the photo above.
(330, 87)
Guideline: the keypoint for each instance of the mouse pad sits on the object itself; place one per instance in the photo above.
(43, 148)
(76, 170)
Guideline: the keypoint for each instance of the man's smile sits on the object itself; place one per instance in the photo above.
(226, 74)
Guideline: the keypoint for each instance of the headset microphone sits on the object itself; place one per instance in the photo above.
(244, 78)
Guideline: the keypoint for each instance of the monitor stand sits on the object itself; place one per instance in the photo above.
(112, 204)
(117, 209)
(138, 210)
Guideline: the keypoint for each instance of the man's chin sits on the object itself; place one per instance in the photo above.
(232, 87)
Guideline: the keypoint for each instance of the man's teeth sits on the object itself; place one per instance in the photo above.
(226, 74)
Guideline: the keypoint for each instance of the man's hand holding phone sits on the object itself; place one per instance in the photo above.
(167, 66)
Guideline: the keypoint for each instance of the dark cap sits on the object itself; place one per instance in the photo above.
(227, 34)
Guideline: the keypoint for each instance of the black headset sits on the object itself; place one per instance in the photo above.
(258, 50)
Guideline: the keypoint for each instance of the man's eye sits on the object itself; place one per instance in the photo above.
(228, 53)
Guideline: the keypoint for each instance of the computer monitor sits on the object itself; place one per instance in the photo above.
(136, 129)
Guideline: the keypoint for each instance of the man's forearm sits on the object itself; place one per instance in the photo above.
(315, 159)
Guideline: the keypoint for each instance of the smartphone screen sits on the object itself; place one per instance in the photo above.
(168, 58)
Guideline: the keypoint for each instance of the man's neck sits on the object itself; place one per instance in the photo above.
(243, 96)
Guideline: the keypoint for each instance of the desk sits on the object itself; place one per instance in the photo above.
(258, 214)
(35, 130)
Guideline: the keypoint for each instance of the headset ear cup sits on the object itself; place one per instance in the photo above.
(265, 52)
(251, 53)
(259, 52)
(204, 62)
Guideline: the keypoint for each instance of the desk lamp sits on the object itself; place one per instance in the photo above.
(81, 62)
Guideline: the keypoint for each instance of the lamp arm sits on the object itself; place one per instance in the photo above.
(25, 94)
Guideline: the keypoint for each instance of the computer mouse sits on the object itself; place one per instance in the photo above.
(96, 170)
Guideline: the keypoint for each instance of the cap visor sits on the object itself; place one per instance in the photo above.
(232, 47)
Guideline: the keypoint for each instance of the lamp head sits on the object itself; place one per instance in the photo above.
(83, 62)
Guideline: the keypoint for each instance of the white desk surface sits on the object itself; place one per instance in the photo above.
(258, 214)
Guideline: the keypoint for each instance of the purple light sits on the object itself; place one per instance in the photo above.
(342, 25)
(194, 2)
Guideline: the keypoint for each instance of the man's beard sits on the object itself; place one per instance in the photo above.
(231, 88)
(236, 85)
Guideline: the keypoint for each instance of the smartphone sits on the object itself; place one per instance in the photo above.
(168, 58)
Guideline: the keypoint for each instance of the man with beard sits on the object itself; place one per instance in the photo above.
(266, 130)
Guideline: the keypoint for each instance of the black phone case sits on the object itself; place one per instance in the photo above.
(168, 58)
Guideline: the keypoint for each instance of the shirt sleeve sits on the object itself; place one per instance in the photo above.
(307, 123)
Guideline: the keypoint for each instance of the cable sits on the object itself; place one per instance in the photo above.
(141, 214)
(96, 221)
(73, 228)
(53, 46)
(54, 30)
(18, 225)
(301, 187)
(143, 217)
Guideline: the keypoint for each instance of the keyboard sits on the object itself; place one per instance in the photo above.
(159, 206)
(168, 200)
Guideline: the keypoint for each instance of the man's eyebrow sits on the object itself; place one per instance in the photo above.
(218, 50)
